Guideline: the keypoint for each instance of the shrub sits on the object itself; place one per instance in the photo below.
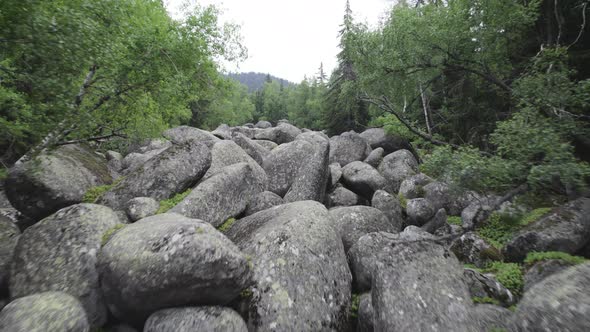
(169, 203)
(533, 257)
(509, 275)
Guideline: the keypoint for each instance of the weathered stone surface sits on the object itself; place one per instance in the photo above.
(9, 235)
(222, 131)
(335, 173)
(253, 149)
(367, 253)
(486, 286)
(54, 180)
(141, 207)
(312, 179)
(377, 138)
(365, 314)
(439, 194)
(171, 172)
(59, 253)
(561, 302)
(391, 207)
(375, 157)
(224, 195)
(282, 133)
(313, 137)
(355, 221)
(419, 211)
(363, 179)
(226, 153)
(344, 197)
(413, 187)
(266, 144)
(565, 229)
(348, 147)
(160, 144)
(490, 318)
(169, 260)
(282, 165)
(14, 216)
(49, 311)
(470, 248)
(185, 134)
(263, 124)
(398, 166)
(191, 319)
(134, 160)
(419, 288)
(542, 270)
(477, 210)
(289, 244)
(437, 221)
(264, 200)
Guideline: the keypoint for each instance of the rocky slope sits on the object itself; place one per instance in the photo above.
(271, 228)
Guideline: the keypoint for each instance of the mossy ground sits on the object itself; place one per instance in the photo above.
(454, 220)
(534, 257)
(169, 203)
(500, 227)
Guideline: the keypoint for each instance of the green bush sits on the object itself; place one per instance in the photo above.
(509, 275)
(169, 203)
(533, 257)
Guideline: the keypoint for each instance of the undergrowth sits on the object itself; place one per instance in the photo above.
(500, 227)
(169, 203)
(534, 257)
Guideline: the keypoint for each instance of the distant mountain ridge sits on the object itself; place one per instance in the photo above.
(255, 81)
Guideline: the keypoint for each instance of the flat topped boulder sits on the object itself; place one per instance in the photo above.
(348, 147)
(398, 166)
(282, 133)
(282, 164)
(191, 319)
(54, 180)
(378, 138)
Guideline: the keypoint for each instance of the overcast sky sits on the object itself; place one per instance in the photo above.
(290, 38)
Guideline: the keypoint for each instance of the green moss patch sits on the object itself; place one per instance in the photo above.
(534, 257)
(455, 220)
(509, 275)
(402, 200)
(485, 300)
(94, 193)
(3, 173)
(226, 225)
(169, 203)
(500, 227)
(108, 234)
(354, 305)
(534, 215)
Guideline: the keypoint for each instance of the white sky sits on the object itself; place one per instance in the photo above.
(290, 38)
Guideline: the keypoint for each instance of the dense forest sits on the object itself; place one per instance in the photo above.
(495, 94)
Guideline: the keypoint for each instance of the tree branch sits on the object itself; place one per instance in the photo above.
(93, 139)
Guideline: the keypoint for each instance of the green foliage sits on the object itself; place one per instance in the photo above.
(534, 257)
(169, 203)
(402, 200)
(94, 193)
(485, 300)
(354, 305)
(500, 227)
(508, 274)
(246, 294)
(454, 220)
(226, 225)
(534, 215)
(108, 234)
(3, 173)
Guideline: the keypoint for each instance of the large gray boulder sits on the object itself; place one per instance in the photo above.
(171, 172)
(348, 147)
(335, 174)
(344, 197)
(134, 160)
(355, 221)
(470, 248)
(378, 138)
(9, 235)
(314, 137)
(439, 220)
(59, 253)
(43, 312)
(565, 229)
(269, 145)
(311, 181)
(191, 319)
(283, 163)
(222, 131)
(486, 286)
(169, 260)
(185, 134)
(419, 211)
(264, 200)
(282, 133)
(301, 277)
(226, 153)
(375, 157)
(490, 318)
(54, 180)
(391, 207)
(541, 270)
(419, 288)
(398, 166)
(253, 149)
(224, 195)
(413, 187)
(561, 302)
(141, 207)
(263, 124)
(363, 179)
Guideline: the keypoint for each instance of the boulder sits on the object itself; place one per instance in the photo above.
(155, 144)
(439, 194)
(355, 221)
(541, 270)
(314, 137)
(378, 138)
(248, 125)
(59, 253)
(335, 174)
(365, 314)
(419, 211)
(171, 172)
(248, 132)
(263, 124)
(419, 288)
(363, 179)
(368, 252)
(439, 220)
(490, 318)
(282, 165)
(9, 235)
(391, 207)
(43, 312)
(226, 153)
(348, 147)
(282, 133)
(224, 195)
(269, 145)
(222, 131)
(344, 197)
(470, 248)
(398, 166)
(486, 286)
(413, 187)
(54, 180)
(253, 149)
(264, 200)
(190, 319)
(375, 157)
(169, 260)
(301, 277)
(134, 160)
(477, 210)
(312, 179)
(565, 229)
(141, 207)
(185, 134)
(561, 302)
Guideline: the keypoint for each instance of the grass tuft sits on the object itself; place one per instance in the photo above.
(226, 225)
(169, 203)
(534, 257)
